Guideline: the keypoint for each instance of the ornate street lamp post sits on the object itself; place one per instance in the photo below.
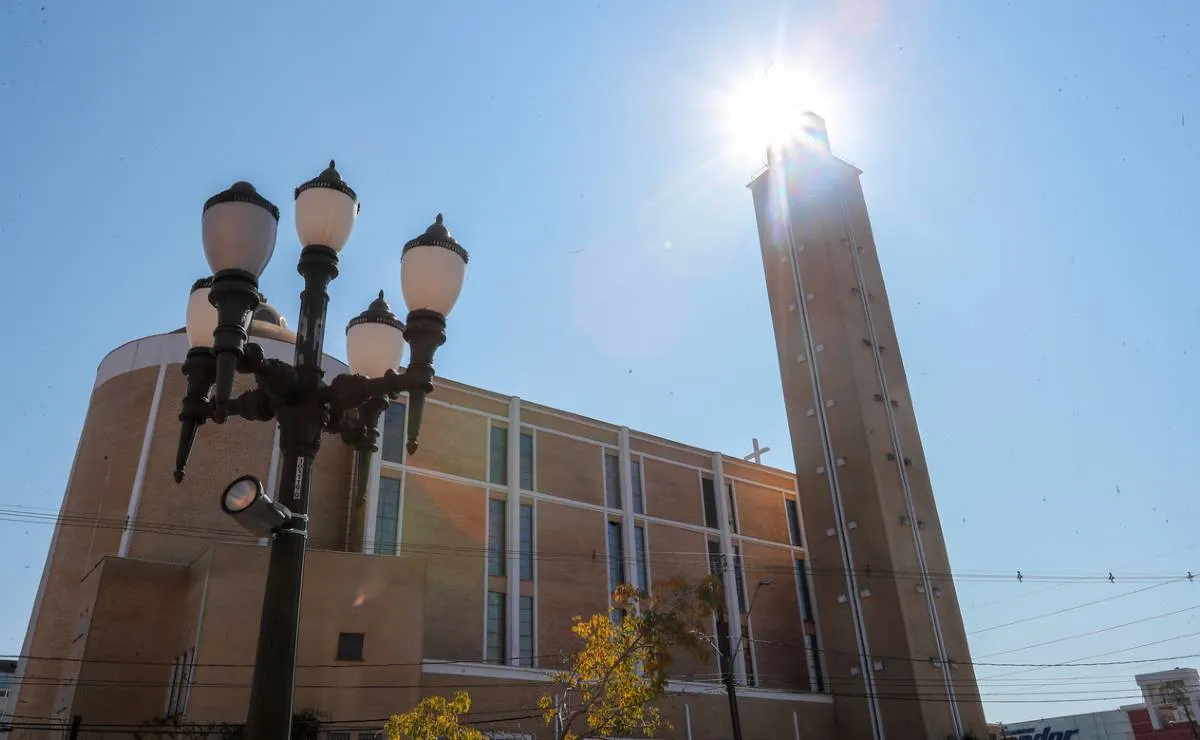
(239, 228)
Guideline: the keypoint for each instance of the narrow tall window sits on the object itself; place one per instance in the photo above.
(716, 563)
(498, 456)
(527, 461)
(709, 493)
(616, 557)
(526, 535)
(387, 516)
(639, 498)
(739, 576)
(495, 537)
(806, 610)
(816, 676)
(732, 508)
(751, 679)
(181, 679)
(495, 627)
(643, 568)
(525, 636)
(393, 433)
(793, 521)
(612, 481)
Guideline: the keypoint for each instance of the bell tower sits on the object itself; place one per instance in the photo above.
(895, 649)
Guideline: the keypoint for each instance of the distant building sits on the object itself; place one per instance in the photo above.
(1169, 712)
(8, 668)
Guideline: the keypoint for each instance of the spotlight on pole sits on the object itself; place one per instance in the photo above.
(245, 501)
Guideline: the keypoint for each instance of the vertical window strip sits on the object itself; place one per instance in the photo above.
(392, 444)
(733, 527)
(616, 557)
(495, 627)
(806, 609)
(527, 461)
(496, 544)
(639, 498)
(709, 494)
(387, 516)
(793, 521)
(498, 456)
(612, 481)
(643, 566)
(739, 576)
(525, 633)
(816, 676)
(715, 561)
(751, 673)
(526, 537)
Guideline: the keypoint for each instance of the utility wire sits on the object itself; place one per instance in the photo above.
(230, 535)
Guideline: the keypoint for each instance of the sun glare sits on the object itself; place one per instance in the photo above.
(768, 109)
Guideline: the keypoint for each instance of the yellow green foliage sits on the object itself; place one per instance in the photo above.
(610, 682)
(435, 718)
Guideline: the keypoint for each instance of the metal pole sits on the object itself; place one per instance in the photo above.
(76, 721)
(300, 426)
(726, 655)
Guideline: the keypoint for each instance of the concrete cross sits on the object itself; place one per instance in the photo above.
(756, 456)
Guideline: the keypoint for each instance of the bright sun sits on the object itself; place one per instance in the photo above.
(768, 109)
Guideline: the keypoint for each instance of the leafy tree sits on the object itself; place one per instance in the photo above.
(435, 718)
(1176, 692)
(609, 683)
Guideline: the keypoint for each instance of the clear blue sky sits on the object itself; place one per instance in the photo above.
(1031, 170)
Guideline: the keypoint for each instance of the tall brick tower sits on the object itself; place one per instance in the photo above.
(898, 663)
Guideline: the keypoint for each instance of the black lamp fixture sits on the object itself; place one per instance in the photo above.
(239, 228)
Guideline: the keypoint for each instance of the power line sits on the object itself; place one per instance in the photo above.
(1073, 608)
(482, 551)
(1094, 632)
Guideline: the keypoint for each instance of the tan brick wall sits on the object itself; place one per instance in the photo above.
(673, 492)
(541, 416)
(129, 644)
(570, 469)
(572, 575)
(778, 630)
(452, 441)
(444, 522)
(681, 554)
(761, 512)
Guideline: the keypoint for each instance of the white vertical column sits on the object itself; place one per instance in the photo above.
(512, 533)
(372, 503)
(625, 468)
(139, 478)
(731, 594)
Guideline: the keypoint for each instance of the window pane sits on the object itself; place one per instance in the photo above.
(392, 444)
(525, 634)
(616, 557)
(793, 520)
(639, 503)
(732, 508)
(527, 461)
(495, 537)
(526, 542)
(714, 558)
(710, 503)
(802, 588)
(612, 481)
(350, 646)
(387, 516)
(749, 652)
(643, 572)
(816, 676)
(739, 576)
(498, 465)
(495, 627)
